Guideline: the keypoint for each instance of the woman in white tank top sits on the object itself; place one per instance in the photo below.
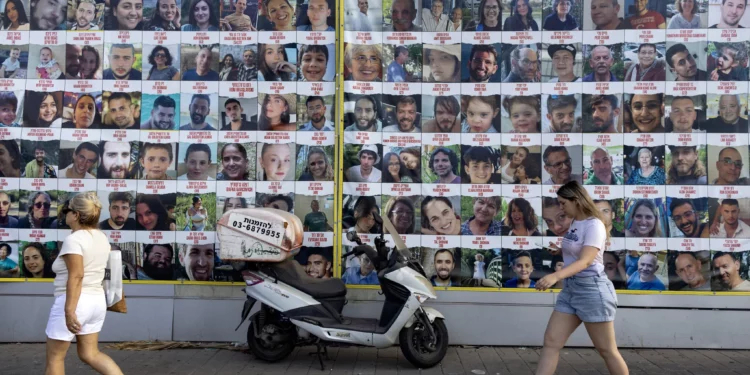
(80, 306)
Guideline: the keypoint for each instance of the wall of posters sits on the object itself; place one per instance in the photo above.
(456, 119)
(462, 117)
(174, 112)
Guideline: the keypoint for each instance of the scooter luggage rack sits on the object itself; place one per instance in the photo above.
(259, 235)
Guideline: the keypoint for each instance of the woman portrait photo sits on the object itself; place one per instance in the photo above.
(276, 112)
(644, 219)
(520, 219)
(38, 207)
(400, 211)
(232, 203)
(528, 172)
(14, 16)
(166, 16)
(48, 15)
(162, 68)
(235, 165)
(277, 15)
(490, 16)
(200, 15)
(151, 214)
(274, 65)
(124, 15)
(36, 261)
(521, 17)
(317, 166)
(442, 63)
(395, 169)
(275, 162)
(8, 266)
(227, 68)
(8, 209)
(482, 213)
(439, 217)
(10, 158)
(687, 16)
(647, 113)
(363, 215)
(42, 109)
(85, 114)
(363, 62)
(196, 215)
(645, 171)
(90, 63)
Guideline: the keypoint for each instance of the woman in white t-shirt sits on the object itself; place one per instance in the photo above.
(80, 306)
(587, 295)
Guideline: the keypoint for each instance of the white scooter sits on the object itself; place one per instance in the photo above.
(298, 310)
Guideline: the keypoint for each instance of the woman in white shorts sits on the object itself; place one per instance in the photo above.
(80, 306)
(587, 295)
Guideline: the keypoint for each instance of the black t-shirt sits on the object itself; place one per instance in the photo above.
(129, 225)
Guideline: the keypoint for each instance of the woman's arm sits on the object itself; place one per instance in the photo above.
(74, 264)
(588, 254)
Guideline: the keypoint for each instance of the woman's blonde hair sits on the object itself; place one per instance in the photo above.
(88, 207)
(574, 192)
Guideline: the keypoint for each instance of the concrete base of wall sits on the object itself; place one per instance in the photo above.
(211, 313)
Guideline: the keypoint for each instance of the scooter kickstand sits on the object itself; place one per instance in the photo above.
(320, 355)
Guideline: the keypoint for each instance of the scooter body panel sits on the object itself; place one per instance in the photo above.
(413, 281)
(278, 295)
(336, 335)
(391, 336)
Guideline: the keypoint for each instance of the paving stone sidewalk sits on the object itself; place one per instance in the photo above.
(25, 359)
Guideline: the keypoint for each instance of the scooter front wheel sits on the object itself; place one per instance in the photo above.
(420, 348)
(274, 341)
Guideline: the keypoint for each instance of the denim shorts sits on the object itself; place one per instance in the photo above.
(591, 298)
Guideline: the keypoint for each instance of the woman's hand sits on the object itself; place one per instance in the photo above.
(71, 321)
(285, 66)
(553, 248)
(547, 282)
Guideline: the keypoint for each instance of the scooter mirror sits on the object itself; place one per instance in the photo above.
(353, 237)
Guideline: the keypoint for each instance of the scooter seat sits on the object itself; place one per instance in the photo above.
(292, 273)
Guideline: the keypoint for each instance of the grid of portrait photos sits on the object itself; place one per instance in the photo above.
(463, 117)
(174, 112)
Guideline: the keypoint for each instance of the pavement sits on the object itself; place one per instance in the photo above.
(25, 359)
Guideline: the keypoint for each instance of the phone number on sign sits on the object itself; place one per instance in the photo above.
(256, 229)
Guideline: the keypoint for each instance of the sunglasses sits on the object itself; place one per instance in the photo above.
(40, 205)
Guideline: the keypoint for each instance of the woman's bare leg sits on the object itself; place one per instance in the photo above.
(603, 337)
(88, 352)
(559, 329)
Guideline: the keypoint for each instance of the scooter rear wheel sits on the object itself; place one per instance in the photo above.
(275, 342)
(414, 342)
